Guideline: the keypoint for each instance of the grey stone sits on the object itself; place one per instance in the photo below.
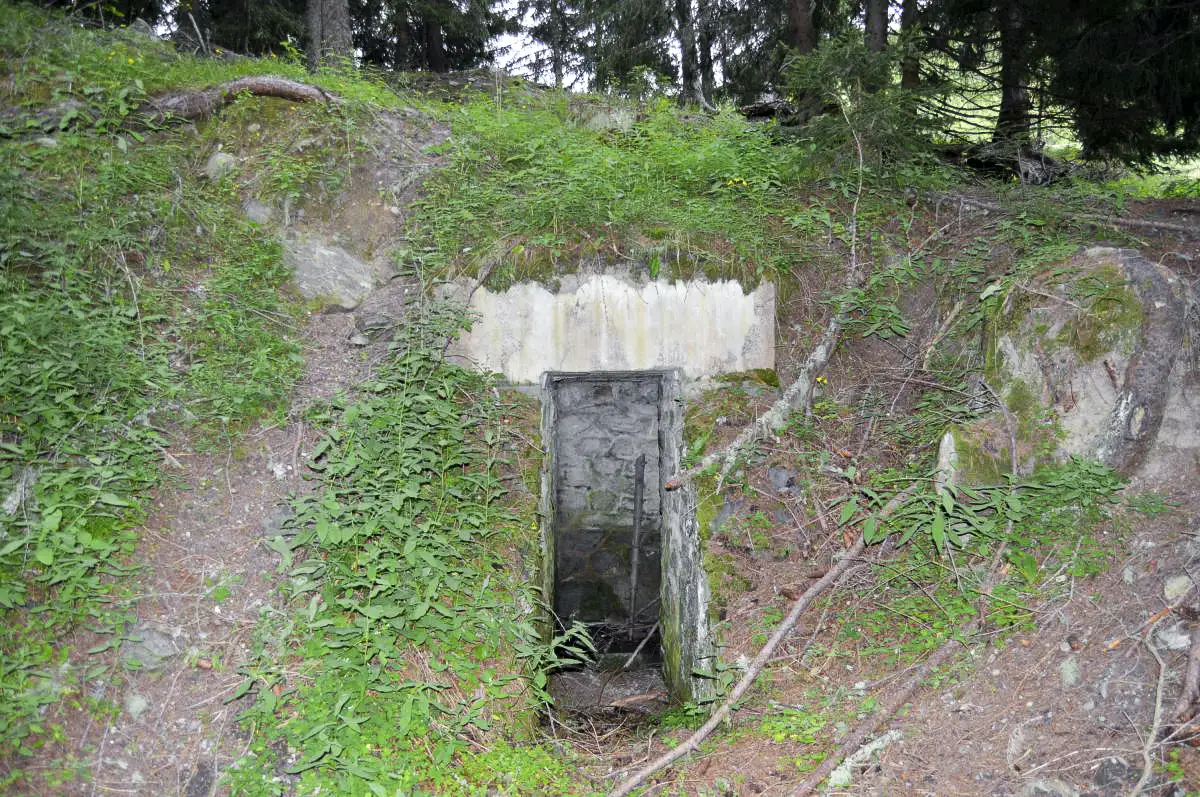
(258, 212)
(374, 325)
(219, 164)
(1127, 403)
(1068, 671)
(1173, 637)
(46, 141)
(610, 119)
(202, 781)
(782, 479)
(328, 273)
(148, 649)
(729, 510)
(136, 705)
(1114, 777)
(273, 525)
(1176, 587)
(947, 463)
(1047, 787)
(21, 492)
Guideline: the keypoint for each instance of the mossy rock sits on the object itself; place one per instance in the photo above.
(1082, 356)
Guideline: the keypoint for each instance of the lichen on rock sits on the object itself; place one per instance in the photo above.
(1093, 343)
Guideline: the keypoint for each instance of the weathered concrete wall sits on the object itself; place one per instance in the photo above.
(597, 425)
(605, 322)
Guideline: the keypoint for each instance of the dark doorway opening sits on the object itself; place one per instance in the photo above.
(607, 510)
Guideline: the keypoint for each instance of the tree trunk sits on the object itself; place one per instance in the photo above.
(1013, 121)
(559, 45)
(329, 36)
(403, 47)
(877, 25)
(707, 76)
(435, 46)
(910, 74)
(689, 65)
(803, 35)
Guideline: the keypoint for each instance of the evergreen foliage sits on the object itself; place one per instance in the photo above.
(1118, 76)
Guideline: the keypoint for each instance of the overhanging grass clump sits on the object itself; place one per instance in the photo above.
(529, 187)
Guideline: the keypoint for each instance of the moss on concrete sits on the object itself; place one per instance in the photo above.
(761, 376)
(708, 504)
(725, 579)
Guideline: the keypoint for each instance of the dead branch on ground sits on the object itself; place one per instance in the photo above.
(905, 692)
(1151, 742)
(1091, 218)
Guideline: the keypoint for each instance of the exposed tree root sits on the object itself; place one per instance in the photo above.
(176, 106)
(802, 603)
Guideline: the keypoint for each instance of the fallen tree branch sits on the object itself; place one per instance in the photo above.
(833, 575)
(1148, 762)
(1093, 218)
(191, 105)
(902, 695)
(898, 699)
(775, 418)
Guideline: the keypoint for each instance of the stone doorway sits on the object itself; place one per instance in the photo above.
(620, 552)
(608, 508)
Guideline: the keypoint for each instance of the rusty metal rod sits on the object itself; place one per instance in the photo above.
(639, 474)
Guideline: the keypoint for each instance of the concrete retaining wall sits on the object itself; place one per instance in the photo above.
(604, 322)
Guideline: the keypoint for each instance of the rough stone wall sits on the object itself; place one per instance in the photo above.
(601, 427)
(686, 641)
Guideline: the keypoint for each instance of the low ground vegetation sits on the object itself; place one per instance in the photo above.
(139, 308)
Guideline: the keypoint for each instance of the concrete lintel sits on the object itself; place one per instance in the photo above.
(610, 322)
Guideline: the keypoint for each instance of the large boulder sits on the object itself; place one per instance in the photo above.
(1092, 347)
(325, 272)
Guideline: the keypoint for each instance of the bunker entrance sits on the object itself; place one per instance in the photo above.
(607, 518)
(621, 554)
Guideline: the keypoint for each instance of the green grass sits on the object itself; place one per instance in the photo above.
(528, 187)
(138, 310)
(409, 650)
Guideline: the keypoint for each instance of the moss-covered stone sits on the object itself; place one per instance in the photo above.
(1110, 319)
(982, 459)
